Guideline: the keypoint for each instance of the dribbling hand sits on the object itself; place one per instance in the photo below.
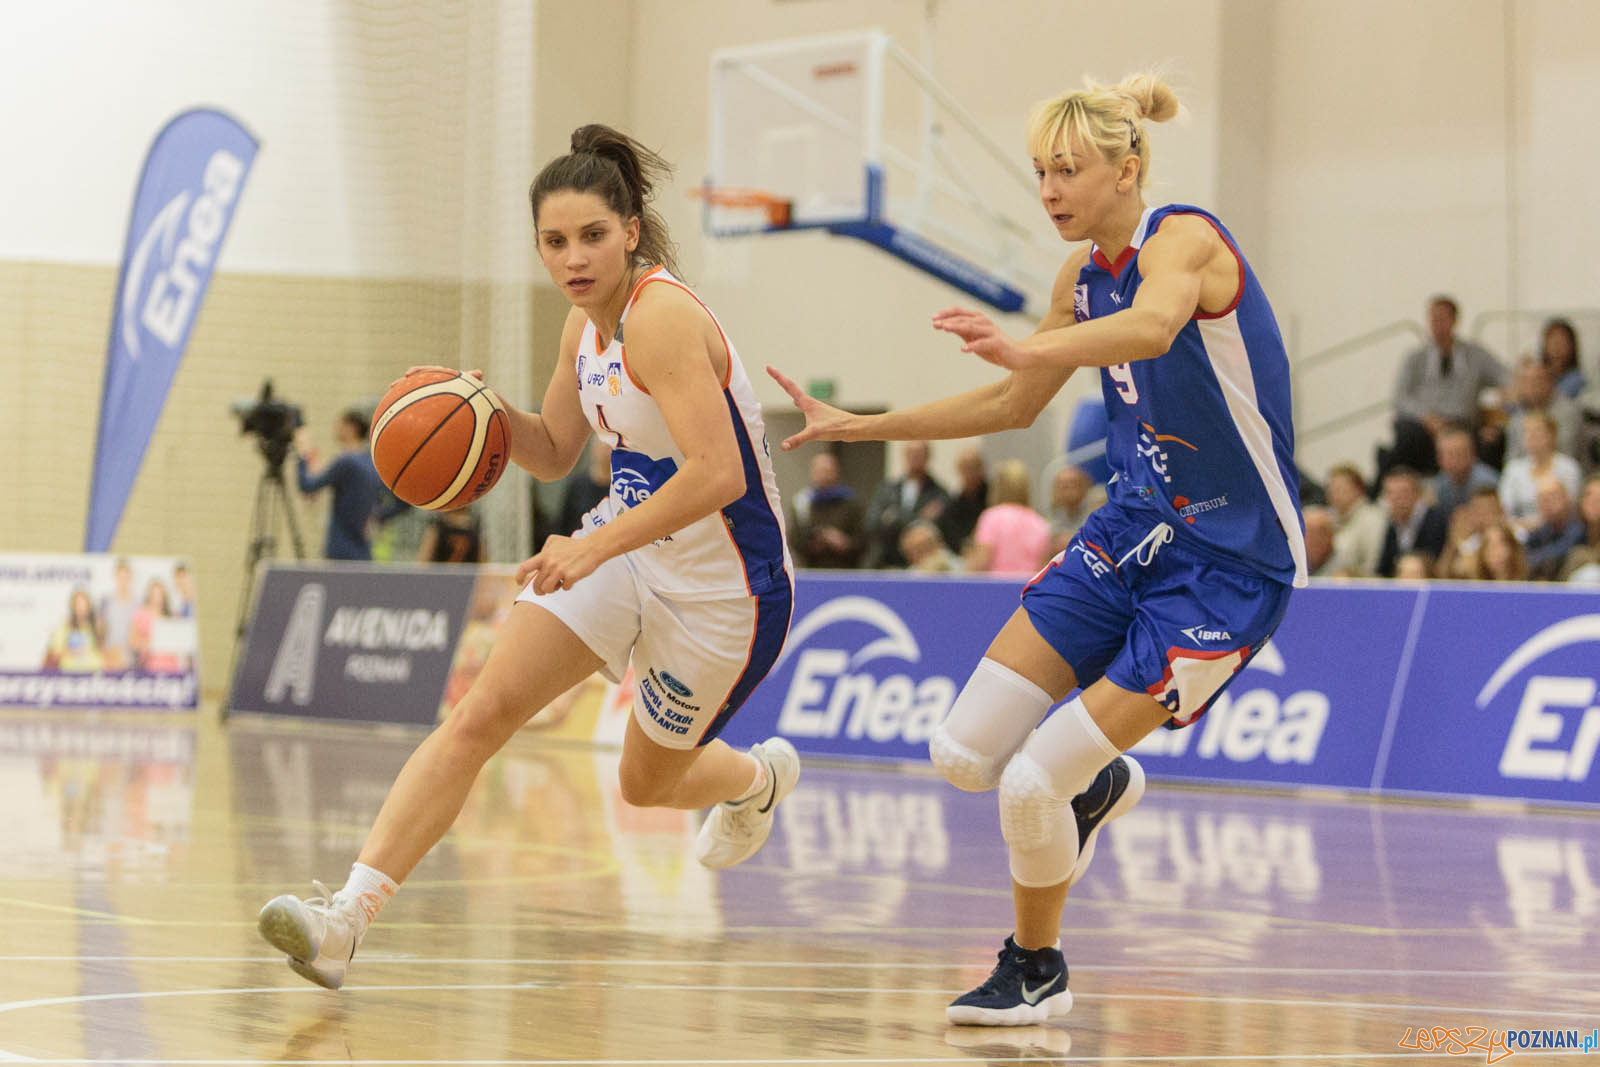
(561, 564)
(823, 421)
(983, 338)
(475, 373)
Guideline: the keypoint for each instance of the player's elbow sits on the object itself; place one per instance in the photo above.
(1159, 329)
(725, 484)
(1021, 408)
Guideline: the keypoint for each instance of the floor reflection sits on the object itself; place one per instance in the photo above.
(556, 921)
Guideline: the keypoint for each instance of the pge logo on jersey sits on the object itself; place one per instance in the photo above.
(1555, 724)
(877, 690)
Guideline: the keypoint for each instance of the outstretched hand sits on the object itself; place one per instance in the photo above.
(823, 421)
(983, 338)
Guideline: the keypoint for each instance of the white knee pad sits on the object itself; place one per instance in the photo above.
(989, 721)
(960, 765)
(1036, 790)
(1038, 826)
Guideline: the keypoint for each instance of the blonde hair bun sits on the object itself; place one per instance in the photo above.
(1154, 98)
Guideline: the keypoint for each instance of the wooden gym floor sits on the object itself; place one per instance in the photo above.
(556, 925)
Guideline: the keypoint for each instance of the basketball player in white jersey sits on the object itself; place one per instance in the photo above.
(682, 569)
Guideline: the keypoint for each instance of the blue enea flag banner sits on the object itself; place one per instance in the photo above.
(185, 200)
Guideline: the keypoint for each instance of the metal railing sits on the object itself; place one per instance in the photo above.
(1585, 319)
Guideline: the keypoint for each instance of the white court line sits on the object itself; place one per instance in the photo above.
(1322, 1003)
(568, 961)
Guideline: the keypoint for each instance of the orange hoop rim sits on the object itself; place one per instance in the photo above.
(778, 209)
(736, 196)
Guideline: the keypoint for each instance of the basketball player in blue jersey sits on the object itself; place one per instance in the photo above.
(682, 570)
(1178, 579)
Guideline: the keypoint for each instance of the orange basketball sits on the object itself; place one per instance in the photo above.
(440, 439)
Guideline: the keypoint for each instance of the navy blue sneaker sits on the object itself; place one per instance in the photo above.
(1112, 794)
(1027, 986)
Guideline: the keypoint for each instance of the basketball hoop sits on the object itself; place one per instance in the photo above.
(777, 210)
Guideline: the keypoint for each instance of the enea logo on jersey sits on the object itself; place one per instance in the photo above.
(1555, 727)
(635, 476)
(171, 261)
(858, 674)
(1247, 724)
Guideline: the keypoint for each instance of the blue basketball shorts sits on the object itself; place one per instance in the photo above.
(1125, 601)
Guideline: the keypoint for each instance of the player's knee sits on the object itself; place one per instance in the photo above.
(1029, 810)
(477, 727)
(641, 787)
(1038, 826)
(961, 766)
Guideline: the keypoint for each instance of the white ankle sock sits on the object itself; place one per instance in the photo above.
(368, 889)
(756, 786)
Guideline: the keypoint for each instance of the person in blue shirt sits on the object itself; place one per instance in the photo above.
(1170, 587)
(354, 480)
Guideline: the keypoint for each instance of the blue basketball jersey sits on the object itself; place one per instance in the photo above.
(1202, 436)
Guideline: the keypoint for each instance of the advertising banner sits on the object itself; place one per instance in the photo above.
(1502, 697)
(352, 642)
(182, 206)
(873, 662)
(97, 631)
(1450, 688)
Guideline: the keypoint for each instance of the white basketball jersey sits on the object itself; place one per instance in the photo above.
(738, 551)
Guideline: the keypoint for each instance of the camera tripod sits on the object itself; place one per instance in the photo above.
(272, 499)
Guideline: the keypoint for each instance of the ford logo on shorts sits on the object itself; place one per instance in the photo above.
(676, 686)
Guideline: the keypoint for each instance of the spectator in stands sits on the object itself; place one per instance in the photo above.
(1501, 558)
(1585, 557)
(1414, 566)
(1518, 485)
(1558, 351)
(453, 537)
(1460, 556)
(1413, 525)
(354, 481)
(1534, 391)
(582, 490)
(967, 503)
(897, 501)
(1011, 538)
(1319, 542)
(1438, 383)
(1460, 470)
(1359, 524)
(1073, 498)
(924, 549)
(825, 519)
(1558, 533)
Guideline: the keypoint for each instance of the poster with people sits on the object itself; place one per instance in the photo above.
(97, 631)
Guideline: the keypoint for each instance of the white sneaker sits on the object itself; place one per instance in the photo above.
(318, 933)
(735, 830)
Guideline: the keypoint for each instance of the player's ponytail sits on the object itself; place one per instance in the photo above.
(624, 174)
(1109, 118)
